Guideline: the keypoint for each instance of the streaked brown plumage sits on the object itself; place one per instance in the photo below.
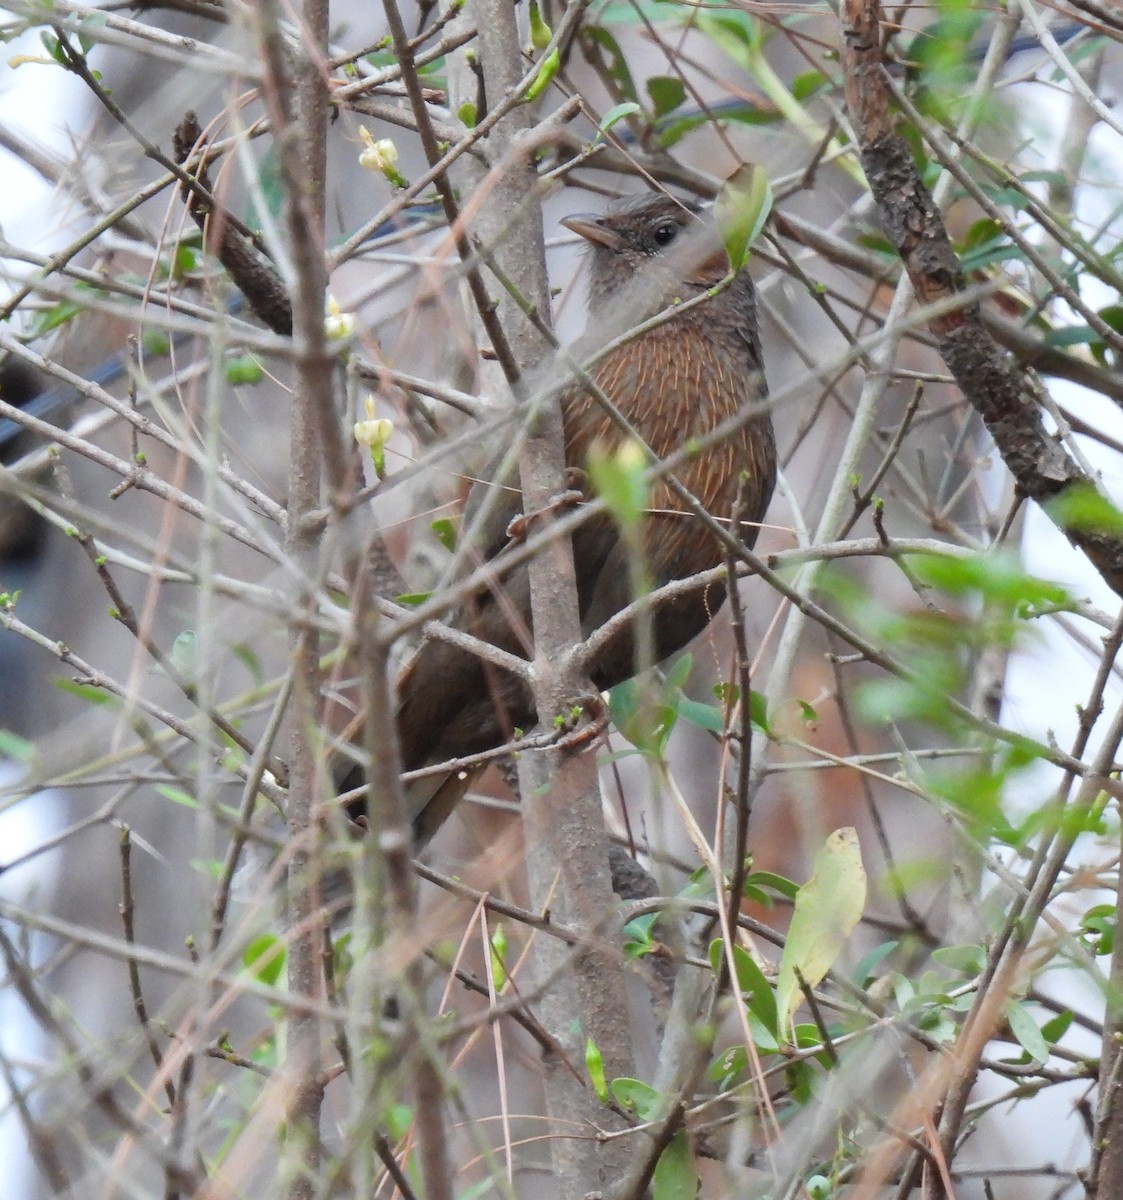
(676, 382)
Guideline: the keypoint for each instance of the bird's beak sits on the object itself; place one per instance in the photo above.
(593, 229)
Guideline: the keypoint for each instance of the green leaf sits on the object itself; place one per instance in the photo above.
(155, 344)
(645, 723)
(997, 577)
(243, 370)
(1072, 335)
(676, 1176)
(704, 716)
(184, 653)
(678, 672)
(343, 958)
(249, 659)
(897, 700)
(736, 33)
(977, 792)
(399, 1121)
(1082, 508)
(617, 113)
(827, 909)
(177, 795)
(1053, 178)
(741, 209)
(637, 1097)
(209, 868)
(444, 529)
(1056, 1027)
(777, 883)
(467, 114)
(751, 983)
(998, 251)
(413, 599)
(878, 243)
(51, 45)
(84, 691)
(51, 318)
(863, 973)
(807, 714)
(1024, 1028)
(1098, 927)
(801, 1079)
(1005, 197)
(806, 84)
(672, 130)
(982, 232)
(270, 189)
(806, 1036)
(940, 67)
(728, 1067)
(963, 960)
(16, 748)
(758, 712)
(667, 93)
(638, 935)
(264, 958)
(185, 261)
(93, 22)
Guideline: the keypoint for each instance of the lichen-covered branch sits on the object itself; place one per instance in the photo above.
(1007, 398)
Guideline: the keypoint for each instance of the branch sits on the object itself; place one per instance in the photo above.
(1008, 401)
(297, 100)
(256, 278)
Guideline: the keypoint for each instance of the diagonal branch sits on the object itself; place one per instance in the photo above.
(1007, 399)
(255, 276)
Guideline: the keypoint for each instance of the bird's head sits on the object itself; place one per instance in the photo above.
(652, 238)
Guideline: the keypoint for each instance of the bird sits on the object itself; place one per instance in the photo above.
(675, 383)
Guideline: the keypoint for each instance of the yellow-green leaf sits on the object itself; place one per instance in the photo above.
(827, 908)
(741, 209)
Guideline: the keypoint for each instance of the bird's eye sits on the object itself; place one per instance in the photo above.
(665, 233)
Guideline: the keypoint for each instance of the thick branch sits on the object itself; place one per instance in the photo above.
(258, 280)
(1006, 399)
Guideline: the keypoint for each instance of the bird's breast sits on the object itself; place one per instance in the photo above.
(676, 387)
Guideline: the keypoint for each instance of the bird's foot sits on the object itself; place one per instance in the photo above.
(576, 492)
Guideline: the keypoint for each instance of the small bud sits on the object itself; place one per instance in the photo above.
(540, 32)
(381, 156)
(632, 456)
(338, 325)
(374, 433)
(547, 69)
